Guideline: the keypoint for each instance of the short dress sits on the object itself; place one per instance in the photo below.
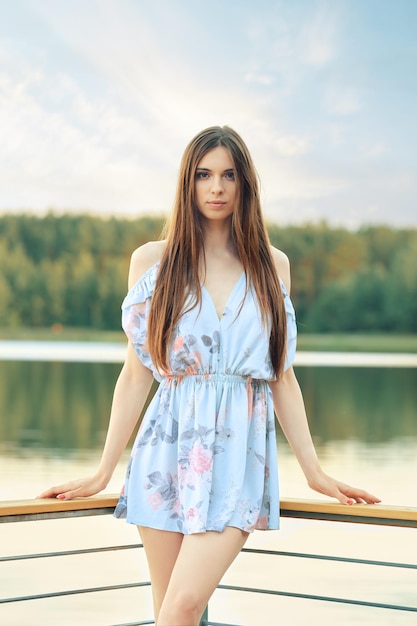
(205, 454)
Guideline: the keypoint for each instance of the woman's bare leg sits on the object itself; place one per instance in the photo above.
(161, 548)
(201, 562)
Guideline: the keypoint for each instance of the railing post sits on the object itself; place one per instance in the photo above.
(204, 618)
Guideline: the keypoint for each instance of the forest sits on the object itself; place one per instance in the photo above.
(71, 270)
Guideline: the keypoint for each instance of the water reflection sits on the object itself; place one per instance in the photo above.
(64, 407)
(56, 406)
(366, 404)
(359, 416)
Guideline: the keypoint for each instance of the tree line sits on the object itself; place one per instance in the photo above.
(72, 270)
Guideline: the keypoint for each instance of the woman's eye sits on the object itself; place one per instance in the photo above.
(202, 175)
(229, 175)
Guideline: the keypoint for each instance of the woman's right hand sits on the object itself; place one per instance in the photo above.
(81, 488)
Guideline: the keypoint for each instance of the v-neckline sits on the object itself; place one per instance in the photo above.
(232, 293)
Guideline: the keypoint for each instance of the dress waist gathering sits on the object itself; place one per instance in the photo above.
(215, 377)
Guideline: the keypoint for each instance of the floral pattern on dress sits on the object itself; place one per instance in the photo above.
(205, 454)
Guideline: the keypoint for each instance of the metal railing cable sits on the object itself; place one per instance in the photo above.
(307, 596)
(43, 555)
(74, 592)
(325, 557)
(392, 516)
(132, 546)
(278, 553)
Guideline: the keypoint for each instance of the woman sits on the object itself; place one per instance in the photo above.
(208, 314)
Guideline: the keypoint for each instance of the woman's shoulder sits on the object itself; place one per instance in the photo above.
(144, 258)
(282, 264)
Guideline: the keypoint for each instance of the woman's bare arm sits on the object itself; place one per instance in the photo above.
(130, 394)
(290, 410)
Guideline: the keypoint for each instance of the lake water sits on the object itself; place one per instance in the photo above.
(53, 418)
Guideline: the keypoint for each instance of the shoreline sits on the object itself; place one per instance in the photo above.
(114, 352)
(326, 342)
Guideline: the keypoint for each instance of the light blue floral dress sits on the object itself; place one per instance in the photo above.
(205, 455)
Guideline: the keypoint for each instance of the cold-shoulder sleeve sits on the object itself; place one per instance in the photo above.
(291, 329)
(135, 311)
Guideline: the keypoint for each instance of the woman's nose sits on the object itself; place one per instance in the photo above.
(217, 184)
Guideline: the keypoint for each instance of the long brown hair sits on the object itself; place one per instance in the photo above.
(179, 274)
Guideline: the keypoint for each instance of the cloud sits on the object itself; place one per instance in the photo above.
(114, 150)
(292, 145)
(146, 67)
(81, 155)
(319, 38)
(260, 79)
(342, 101)
(375, 150)
(97, 106)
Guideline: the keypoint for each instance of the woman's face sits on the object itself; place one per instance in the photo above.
(216, 185)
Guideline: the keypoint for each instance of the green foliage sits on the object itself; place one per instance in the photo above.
(344, 281)
(72, 270)
(69, 269)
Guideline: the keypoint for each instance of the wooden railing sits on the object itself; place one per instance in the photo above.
(22, 510)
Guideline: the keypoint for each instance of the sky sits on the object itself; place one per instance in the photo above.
(98, 99)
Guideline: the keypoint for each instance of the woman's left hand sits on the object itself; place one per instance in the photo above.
(328, 486)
